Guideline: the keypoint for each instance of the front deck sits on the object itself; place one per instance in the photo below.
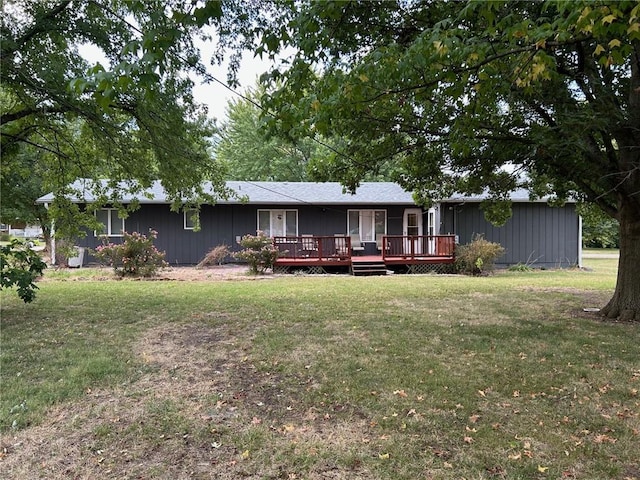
(410, 254)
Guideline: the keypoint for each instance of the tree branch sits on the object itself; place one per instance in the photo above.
(38, 27)
(27, 112)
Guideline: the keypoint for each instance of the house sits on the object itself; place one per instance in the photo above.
(379, 219)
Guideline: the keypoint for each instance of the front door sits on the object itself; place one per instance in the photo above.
(412, 228)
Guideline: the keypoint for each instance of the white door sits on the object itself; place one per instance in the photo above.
(412, 227)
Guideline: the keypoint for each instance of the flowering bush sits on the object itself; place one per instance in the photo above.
(136, 256)
(258, 252)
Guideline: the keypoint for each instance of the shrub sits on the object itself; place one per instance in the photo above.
(5, 237)
(20, 266)
(478, 257)
(258, 252)
(520, 267)
(136, 256)
(215, 256)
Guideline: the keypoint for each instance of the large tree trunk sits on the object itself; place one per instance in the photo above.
(625, 304)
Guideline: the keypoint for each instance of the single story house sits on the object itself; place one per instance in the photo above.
(537, 233)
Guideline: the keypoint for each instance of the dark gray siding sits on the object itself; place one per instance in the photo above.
(536, 233)
(222, 224)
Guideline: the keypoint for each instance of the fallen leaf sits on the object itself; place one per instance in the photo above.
(468, 440)
(474, 418)
(245, 454)
(604, 439)
(542, 469)
(383, 456)
(400, 393)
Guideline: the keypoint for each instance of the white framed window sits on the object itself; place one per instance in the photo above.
(190, 218)
(369, 224)
(278, 223)
(112, 225)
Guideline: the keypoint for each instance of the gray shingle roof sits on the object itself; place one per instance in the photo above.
(295, 193)
(287, 193)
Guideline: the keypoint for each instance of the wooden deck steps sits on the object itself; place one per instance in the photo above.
(368, 267)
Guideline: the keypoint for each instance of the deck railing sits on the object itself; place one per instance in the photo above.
(392, 247)
(418, 246)
(318, 247)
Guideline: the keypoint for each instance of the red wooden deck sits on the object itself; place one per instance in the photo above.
(338, 251)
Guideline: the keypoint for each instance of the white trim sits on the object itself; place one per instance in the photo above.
(371, 228)
(283, 220)
(52, 238)
(108, 225)
(579, 241)
(187, 213)
(414, 244)
(405, 220)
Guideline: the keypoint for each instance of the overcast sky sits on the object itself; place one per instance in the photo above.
(216, 96)
(212, 94)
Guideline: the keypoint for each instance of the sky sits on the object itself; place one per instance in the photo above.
(216, 96)
(212, 94)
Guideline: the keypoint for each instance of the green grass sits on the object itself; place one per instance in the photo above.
(308, 377)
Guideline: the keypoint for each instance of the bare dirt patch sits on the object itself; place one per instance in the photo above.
(194, 411)
(176, 273)
(222, 272)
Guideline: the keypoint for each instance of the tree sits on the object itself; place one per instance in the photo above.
(475, 96)
(131, 120)
(598, 229)
(20, 184)
(249, 154)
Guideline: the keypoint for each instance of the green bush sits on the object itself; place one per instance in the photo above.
(598, 229)
(478, 256)
(520, 267)
(5, 237)
(258, 252)
(136, 256)
(20, 266)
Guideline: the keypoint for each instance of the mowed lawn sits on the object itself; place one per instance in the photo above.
(321, 377)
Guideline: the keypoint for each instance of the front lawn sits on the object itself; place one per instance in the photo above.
(313, 377)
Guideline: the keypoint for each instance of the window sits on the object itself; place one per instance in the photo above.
(112, 225)
(278, 223)
(367, 223)
(190, 218)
